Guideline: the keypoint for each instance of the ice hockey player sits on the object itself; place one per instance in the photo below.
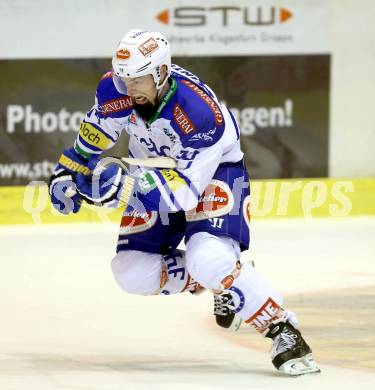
(168, 111)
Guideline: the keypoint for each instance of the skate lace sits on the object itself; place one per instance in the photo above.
(223, 304)
(285, 341)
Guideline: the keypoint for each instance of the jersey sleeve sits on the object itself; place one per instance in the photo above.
(104, 123)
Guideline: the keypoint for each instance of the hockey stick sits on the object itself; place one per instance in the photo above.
(151, 162)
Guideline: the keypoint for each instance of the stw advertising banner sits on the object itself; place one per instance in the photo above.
(269, 61)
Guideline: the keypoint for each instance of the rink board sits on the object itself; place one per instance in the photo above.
(270, 199)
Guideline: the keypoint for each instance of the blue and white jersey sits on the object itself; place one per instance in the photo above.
(190, 126)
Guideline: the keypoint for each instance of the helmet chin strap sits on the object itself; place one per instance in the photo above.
(156, 76)
(160, 86)
(160, 89)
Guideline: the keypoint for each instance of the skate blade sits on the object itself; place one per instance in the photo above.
(300, 366)
(235, 325)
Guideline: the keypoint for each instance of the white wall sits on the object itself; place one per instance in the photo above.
(92, 28)
(352, 138)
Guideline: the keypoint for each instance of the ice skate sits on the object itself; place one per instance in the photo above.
(224, 307)
(290, 353)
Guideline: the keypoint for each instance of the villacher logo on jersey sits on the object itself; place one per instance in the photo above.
(259, 15)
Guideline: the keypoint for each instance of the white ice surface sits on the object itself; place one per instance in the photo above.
(64, 323)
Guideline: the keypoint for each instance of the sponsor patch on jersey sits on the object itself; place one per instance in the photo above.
(182, 120)
(116, 105)
(219, 119)
(216, 200)
(246, 209)
(169, 134)
(173, 179)
(265, 315)
(146, 182)
(73, 165)
(148, 47)
(204, 136)
(123, 54)
(93, 136)
(133, 119)
(135, 222)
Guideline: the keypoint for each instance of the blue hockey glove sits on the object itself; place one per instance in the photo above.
(109, 187)
(62, 187)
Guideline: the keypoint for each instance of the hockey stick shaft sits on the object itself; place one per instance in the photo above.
(151, 162)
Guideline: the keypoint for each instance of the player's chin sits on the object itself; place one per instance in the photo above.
(145, 110)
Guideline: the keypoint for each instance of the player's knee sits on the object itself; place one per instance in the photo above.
(209, 259)
(137, 272)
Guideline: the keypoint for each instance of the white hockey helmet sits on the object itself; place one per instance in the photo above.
(140, 53)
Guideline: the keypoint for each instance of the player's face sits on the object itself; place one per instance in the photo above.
(142, 89)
